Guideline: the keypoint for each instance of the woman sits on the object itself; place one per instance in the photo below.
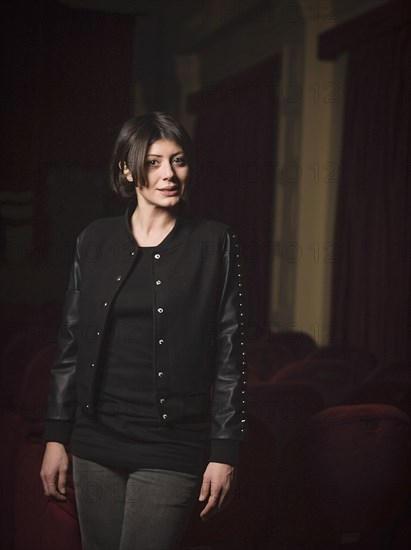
(148, 384)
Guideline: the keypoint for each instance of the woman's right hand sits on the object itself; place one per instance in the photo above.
(53, 471)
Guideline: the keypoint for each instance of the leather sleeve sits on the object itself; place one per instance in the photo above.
(229, 423)
(61, 405)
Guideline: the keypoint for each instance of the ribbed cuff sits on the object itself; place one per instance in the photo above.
(226, 451)
(58, 430)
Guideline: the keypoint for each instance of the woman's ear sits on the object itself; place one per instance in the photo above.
(125, 170)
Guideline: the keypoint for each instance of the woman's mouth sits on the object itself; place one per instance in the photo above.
(169, 191)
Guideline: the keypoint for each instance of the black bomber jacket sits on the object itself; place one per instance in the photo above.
(199, 328)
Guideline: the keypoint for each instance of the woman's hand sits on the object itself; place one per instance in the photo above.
(54, 470)
(217, 486)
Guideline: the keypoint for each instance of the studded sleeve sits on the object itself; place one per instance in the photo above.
(229, 422)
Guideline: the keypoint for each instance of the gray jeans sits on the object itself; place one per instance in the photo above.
(144, 510)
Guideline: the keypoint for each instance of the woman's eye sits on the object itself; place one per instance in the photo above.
(179, 160)
(151, 162)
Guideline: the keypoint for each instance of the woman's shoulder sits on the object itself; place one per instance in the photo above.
(101, 227)
(210, 226)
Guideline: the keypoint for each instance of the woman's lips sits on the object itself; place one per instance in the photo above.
(169, 192)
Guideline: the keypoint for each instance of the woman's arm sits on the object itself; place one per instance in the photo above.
(229, 423)
(218, 484)
(61, 406)
(62, 399)
(53, 471)
(228, 419)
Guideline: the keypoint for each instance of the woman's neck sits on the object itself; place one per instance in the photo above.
(151, 226)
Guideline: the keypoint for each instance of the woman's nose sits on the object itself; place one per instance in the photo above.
(167, 171)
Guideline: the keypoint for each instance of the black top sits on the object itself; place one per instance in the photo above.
(127, 432)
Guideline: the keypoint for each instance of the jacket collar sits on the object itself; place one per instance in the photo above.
(181, 230)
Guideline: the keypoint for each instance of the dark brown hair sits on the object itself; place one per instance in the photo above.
(135, 138)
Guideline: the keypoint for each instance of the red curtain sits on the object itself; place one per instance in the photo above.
(372, 270)
(235, 140)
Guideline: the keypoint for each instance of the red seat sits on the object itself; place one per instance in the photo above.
(361, 360)
(25, 394)
(396, 370)
(331, 378)
(281, 407)
(388, 391)
(344, 480)
(39, 522)
(264, 361)
(299, 344)
(402, 531)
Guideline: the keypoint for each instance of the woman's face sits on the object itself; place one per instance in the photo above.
(166, 174)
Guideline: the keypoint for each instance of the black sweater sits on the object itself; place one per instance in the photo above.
(127, 432)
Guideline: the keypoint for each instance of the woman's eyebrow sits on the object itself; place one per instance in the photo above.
(160, 156)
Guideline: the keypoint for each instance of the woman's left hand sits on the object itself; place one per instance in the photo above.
(217, 486)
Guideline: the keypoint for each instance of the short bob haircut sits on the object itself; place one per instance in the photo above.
(135, 138)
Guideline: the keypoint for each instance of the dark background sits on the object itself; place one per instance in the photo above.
(74, 71)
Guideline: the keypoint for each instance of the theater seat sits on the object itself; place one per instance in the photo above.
(361, 360)
(39, 523)
(264, 361)
(395, 370)
(331, 378)
(344, 480)
(389, 391)
(281, 407)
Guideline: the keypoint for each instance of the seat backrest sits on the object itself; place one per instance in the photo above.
(363, 361)
(281, 407)
(347, 470)
(395, 370)
(265, 360)
(389, 392)
(332, 378)
(299, 344)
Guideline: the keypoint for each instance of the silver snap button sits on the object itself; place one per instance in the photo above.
(161, 341)
(160, 374)
(156, 256)
(162, 401)
(118, 278)
(160, 310)
(165, 416)
(158, 282)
